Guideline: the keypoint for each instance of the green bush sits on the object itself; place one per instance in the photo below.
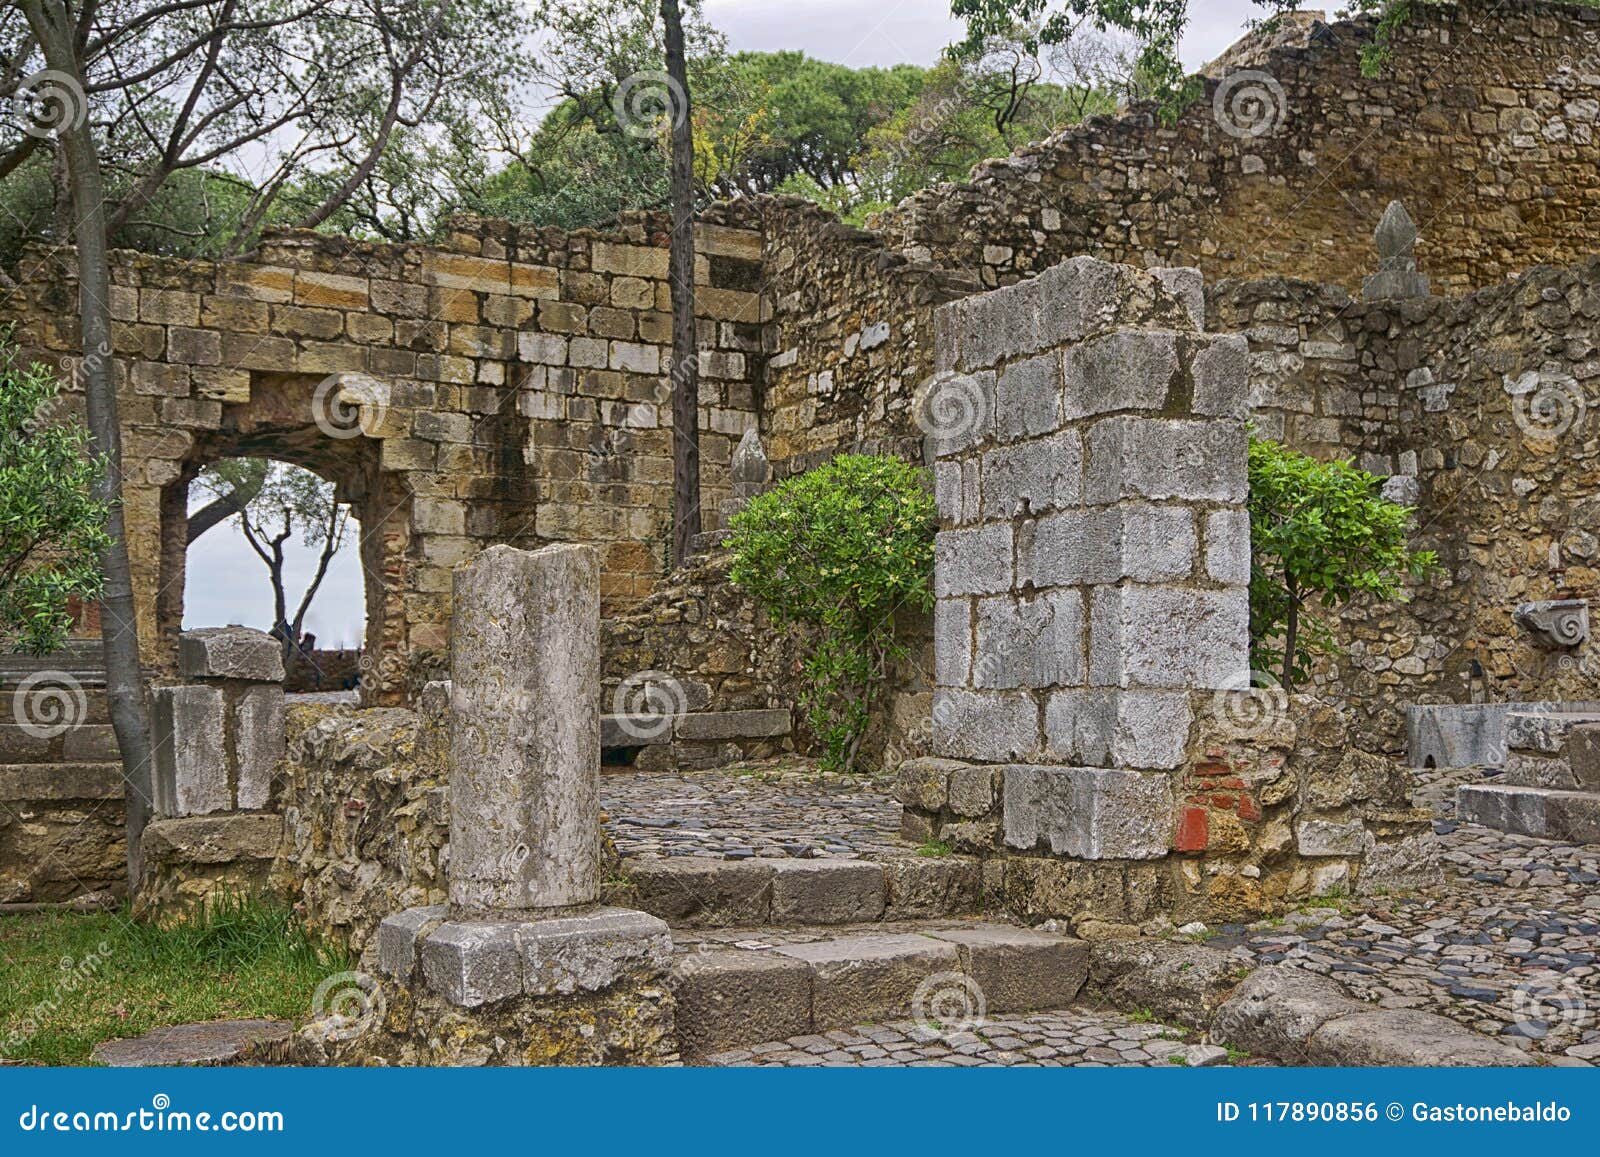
(840, 549)
(1320, 533)
(52, 524)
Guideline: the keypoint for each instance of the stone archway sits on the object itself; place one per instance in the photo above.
(326, 424)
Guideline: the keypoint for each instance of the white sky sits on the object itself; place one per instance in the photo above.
(228, 584)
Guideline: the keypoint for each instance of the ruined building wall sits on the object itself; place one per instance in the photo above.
(1482, 121)
(509, 385)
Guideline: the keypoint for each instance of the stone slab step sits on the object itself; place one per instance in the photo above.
(1543, 732)
(943, 977)
(637, 730)
(217, 1042)
(702, 892)
(49, 708)
(85, 743)
(1545, 813)
(57, 781)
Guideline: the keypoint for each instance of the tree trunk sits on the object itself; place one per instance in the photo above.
(54, 29)
(1291, 633)
(685, 375)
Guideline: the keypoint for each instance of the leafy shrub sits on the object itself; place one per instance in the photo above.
(840, 548)
(52, 524)
(1319, 531)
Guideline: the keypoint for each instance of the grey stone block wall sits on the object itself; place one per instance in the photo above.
(1093, 558)
(219, 738)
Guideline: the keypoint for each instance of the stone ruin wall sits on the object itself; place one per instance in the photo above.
(1482, 123)
(507, 386)
(525, 368)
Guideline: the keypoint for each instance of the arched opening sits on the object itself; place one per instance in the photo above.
(271, 546)
(287, 423)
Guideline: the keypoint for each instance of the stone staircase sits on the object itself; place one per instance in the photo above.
(1551, 785)
(745, 987)
(60, 780)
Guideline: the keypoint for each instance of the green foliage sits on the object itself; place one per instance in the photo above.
(841, 549)
(52, 523)
(1320, 533)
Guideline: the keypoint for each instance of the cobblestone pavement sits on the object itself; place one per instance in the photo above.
(736, 813)
(1080, 1038)
(1510, 946)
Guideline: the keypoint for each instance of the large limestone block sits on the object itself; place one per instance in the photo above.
(188, 727)
(1092, 813)
(230, 653)
(525, 736)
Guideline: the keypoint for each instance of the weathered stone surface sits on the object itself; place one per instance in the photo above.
(702, 892)
(1401, 865)
(1543, 729)
(60, 781)
(1184, 982)
(217, 1042)
(525, 736)
(1321, 838)
(754, 724)
(1544, 813)
(258, 744)
(827, 891)
(589, 952)
(1088, 812)
(1276, 1009)
(920, 888)
(398, 936)
(731, 998)
(1139, 729)
(861, 977)
(230, 653)
(1403, 1037)
(1018, 970)
(190, 761)
(994, 726)
(214, 839)
(1169, 637)
(1583, 754)
(468, 964)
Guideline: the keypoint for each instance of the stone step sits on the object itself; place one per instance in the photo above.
(701, 892)
(60, 781)
(217, 1042)
(48, 708)
(639, 730)
(1542, 732)
(942, 976)
(1542, 812)
(87, 742)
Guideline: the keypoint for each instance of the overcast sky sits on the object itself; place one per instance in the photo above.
(228, 584)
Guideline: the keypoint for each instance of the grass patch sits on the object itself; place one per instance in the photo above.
(935, 849)
(73, 980)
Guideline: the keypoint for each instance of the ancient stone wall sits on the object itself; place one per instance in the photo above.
(509, 385)
(1482, 121)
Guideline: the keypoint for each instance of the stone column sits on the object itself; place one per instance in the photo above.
(524, 870)
(525, 741)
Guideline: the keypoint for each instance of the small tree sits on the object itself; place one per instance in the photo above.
(52, 525)
(841, 549)
(288, 501)
(1320, 531)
